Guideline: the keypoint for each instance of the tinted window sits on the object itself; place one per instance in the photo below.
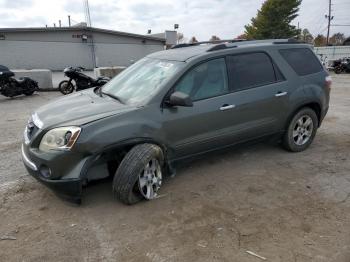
(249, 70)
(302, 60)
(205, 80)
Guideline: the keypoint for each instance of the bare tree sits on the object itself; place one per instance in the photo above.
(193, 40)
(306, 36)
(337, 39)
(241, 36)
(181, 38)
(320, 40)
(214, 38)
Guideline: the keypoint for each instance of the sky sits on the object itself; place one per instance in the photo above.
(199, 18)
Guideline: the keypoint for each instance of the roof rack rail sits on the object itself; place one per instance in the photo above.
(288, 41)
(207, 42)
(220, 47)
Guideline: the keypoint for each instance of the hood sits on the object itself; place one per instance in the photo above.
(77, 109)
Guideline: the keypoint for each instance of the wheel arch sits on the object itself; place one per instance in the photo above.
(117, 151)
(315, 106)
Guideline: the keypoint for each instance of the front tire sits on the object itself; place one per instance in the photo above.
(301, 130)
(139, 175)
(66, 87)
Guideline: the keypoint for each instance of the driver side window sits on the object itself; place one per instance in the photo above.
(205, 80)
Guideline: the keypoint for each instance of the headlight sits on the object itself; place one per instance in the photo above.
(61, 138)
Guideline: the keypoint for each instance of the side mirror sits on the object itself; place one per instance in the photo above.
(179, 99)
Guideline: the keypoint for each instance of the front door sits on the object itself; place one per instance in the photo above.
(190, 130)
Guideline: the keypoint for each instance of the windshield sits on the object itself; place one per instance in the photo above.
(141, 81)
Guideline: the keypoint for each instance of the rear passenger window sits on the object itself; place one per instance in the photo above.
(302, 60)
(249, 70)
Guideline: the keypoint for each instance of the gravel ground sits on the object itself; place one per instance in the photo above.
(282, 206)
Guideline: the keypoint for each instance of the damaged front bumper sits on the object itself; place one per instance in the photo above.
(69, 188)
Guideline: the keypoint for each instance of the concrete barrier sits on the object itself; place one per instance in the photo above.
(108, 71)
(42, 76)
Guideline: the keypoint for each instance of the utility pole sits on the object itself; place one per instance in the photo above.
(329, 18)
(89, 25)
(69, 20)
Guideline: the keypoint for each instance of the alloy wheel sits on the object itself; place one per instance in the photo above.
(303, 129)
(150, 179)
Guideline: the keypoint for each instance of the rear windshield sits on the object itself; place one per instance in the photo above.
(302, 60)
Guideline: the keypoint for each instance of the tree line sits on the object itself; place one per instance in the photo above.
(273, 21)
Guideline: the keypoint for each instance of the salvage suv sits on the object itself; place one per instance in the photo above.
(176, 104)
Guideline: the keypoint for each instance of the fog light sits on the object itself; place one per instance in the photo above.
(45, 171)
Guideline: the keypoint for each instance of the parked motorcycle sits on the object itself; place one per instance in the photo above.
(323, 59)
(342, 66)
(10, 86)
(79, 81)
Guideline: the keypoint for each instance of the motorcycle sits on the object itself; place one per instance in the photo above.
(10, 86)
(342, 66)
(79, 81)
(323, 59)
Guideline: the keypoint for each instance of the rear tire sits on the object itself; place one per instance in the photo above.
(31, 88)
(126, 182)
(65, 87)
(301, 130)
(337, 70)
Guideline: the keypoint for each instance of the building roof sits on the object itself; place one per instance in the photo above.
(75, 28)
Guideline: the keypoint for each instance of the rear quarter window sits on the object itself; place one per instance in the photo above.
(302, 60)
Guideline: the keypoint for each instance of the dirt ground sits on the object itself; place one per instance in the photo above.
(282, 206)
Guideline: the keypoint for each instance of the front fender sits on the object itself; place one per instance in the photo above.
(142, 124)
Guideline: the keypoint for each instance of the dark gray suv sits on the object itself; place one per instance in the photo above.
(173, 105)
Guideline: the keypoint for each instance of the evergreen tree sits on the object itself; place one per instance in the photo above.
(273, 20)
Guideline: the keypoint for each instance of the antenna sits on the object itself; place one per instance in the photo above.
(87, 13)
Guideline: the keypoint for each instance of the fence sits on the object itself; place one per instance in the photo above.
(329, 53)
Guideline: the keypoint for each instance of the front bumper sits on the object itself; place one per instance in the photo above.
(68, 188)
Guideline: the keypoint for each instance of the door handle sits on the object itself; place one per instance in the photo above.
(226, 107)
(281, 94)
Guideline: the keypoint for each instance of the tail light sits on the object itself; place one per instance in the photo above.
(328, 82)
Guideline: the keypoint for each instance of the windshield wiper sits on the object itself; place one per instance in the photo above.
(113, 96)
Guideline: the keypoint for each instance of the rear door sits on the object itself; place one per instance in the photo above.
(259, 96)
